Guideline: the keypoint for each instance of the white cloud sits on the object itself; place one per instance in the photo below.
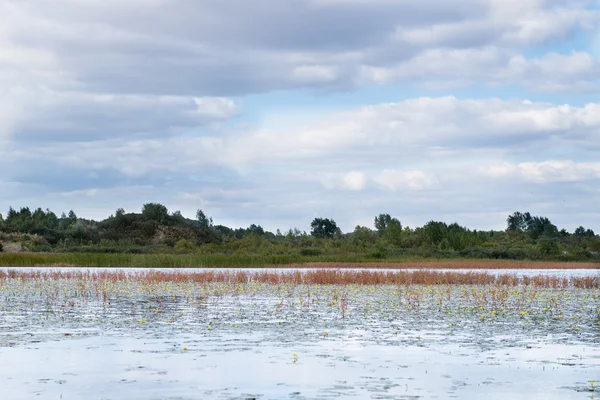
(498, 170)
(393, 180)
(80, 116)
(218, 108)
(421, 126)
(547, 171)
(576, 71)
(353, 180)
(315, 73)
(205, 49)
(116, 102)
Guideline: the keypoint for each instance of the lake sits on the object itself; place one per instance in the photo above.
(126, 339)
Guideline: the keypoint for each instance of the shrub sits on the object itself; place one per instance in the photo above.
(184, 245)
(1, 247)
(310, 252)
(378, 254)
(548, 246)
(133, 250)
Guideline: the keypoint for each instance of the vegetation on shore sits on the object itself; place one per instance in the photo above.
(159, 238)
(111, 260)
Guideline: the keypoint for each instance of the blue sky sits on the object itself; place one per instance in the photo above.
(275, 113)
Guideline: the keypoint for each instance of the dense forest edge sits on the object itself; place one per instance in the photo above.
(156, 237)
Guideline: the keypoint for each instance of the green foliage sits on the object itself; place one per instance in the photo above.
(203, 221)
(434, 232)
(155, 232)
(384, 221)
(310, 252)
(155, 212)
(323, 228)
(581, 232)
(184, 245)
(548, 247)
(535, 226)
(363, 237)
(389, 228)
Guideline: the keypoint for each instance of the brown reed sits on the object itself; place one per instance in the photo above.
(324, 276)
(450, 264)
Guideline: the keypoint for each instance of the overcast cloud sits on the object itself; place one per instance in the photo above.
(455, 110)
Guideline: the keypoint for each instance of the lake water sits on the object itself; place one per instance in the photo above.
(133, 340)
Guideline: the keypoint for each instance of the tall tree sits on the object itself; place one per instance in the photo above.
(434, 232)
(323, 228)
(155, 212)
(72, 216)
(203, 221)
(256, 229)
(384, 222)
(516, 222)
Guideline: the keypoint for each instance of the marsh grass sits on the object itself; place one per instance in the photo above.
(310, 277)
(141, 260)
(289, 261)
(318, 302)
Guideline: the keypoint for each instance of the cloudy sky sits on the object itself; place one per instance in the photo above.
(276, 112)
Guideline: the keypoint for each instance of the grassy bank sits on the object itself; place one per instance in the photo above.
(224, 261)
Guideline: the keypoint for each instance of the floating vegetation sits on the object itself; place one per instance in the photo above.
(228, 299)
(365, 331)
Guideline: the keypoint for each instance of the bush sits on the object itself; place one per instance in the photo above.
(378, 254)
(184, 245)
(1, 247)
(310, 252)
(548, 247)
(133, 250)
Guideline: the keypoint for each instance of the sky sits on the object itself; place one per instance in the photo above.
(277, 112)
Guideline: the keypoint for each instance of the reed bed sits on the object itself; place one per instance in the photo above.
(301, 302)
(279, 261)
(311, 277)
(451, 264)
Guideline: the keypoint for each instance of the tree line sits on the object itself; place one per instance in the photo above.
(155, 229)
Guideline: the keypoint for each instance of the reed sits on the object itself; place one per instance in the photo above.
(307, 277)
(281, 261)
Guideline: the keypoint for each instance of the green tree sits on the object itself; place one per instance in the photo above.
(389, 228)
(548, 246)
(582, 232)
(203, 221)
(155, 212)
(72, 217)
(363, 236)
(434, 232)
(541, 226)
(382, 221)
(51, 220)
(517, 222)
(323, 228)
(255, 229)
